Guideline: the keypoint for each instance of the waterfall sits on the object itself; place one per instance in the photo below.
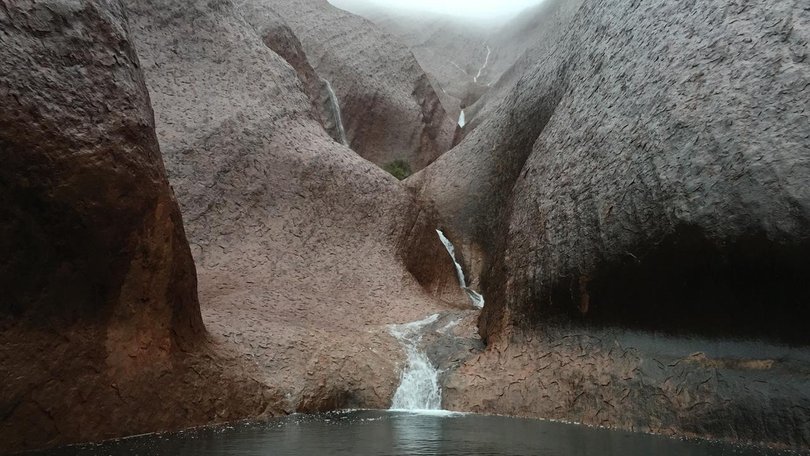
(486, 62)
(477, 299)
(335, 106)
(461, 120)
(419, 385)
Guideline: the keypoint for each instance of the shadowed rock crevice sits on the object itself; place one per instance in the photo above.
(751, 287)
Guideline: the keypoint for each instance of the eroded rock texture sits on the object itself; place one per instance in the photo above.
(390, 110)
(697, 160)
(99, 288)
(688, 199)
(305, 251)
(649, 172)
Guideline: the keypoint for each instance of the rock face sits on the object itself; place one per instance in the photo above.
(390, 110)
(304, 250)
(86, 204)
(277, 35)
(99, 286)
(518, 45)
(474, 63)
(740, 391)
(649, 172)
(693, 189)
(709, 165)
(451, 50)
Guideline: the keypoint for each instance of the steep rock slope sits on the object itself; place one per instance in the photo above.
(390, 110)
(99, 303)
(451, 50)
(649, 172)
(277, 35)
(474, 63)
(697, 176)
(304, 250)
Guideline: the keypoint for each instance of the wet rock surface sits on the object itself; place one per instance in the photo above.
(649, 173)
(305, 251)
(646, 382)
(390, 109)
(99, 306)
(638, 195)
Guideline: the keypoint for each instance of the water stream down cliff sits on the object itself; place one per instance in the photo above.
(334, 105)
(419, 387)
(475, 298)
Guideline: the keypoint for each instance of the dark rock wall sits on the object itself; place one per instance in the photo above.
(87, 205)
(674, 168)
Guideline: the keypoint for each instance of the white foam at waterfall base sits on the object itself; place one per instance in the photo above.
(461, 120)
(419, 385)
(475, 298)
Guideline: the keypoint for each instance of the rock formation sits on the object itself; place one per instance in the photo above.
(390, 110)
(304, 250)
(635, 190)
(649, 172)
(474, 63)
(99, 287)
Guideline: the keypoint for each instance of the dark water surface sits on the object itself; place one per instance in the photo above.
(404, 433)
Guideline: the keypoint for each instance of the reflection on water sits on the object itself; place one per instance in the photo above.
(402, 433)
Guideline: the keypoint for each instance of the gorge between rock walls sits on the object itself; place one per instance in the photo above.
(200, 229)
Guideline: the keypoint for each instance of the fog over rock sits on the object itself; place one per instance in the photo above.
(649, 172)
(475, 62)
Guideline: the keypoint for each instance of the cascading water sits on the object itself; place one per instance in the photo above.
(419, 386)
(486, 62)
(335, 106)
(461, 120)
(477, 299)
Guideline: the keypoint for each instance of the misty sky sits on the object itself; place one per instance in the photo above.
(473, 9)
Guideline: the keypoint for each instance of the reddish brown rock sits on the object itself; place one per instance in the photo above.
(305, 251)
(99, 288)
(390, 110)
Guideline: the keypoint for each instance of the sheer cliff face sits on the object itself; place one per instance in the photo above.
(99, 287)
(390, 110)
(666, 162)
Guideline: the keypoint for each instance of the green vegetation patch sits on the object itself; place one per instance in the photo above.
(399, 169)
